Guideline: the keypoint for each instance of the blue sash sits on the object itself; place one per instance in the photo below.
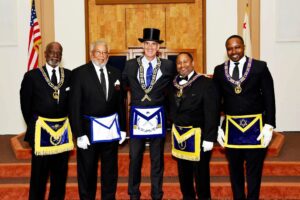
(147, 122)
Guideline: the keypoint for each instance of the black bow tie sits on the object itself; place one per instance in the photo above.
(180, 78)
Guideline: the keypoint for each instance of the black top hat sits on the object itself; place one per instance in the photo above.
(151, 34)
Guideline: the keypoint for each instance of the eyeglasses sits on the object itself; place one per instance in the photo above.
(97, 53)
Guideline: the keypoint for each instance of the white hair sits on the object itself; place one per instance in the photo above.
(98, 42)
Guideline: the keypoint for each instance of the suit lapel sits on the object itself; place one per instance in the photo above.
(134, 70)
(45, 84)
(187, 91)
(94, 78)
(245, 65)
(111, 78)
(45, 70)
(162, 69)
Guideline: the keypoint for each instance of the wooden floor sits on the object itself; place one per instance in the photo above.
(281, 175)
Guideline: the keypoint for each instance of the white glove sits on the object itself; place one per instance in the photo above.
(83, 142)
(266, 135)
(207, 146)
(123, 137)
(221, 136)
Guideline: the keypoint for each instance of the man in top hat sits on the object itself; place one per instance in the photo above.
(148, 77)
(247, 90)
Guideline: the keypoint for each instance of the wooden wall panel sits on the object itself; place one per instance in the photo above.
(107, 22)
(45, 13)
(99, 2)
(154, 18)
(182, 25)
(184, 29)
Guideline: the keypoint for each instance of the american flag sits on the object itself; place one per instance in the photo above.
(35, 40)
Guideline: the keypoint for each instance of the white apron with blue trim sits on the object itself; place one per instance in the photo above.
(105, 129)
(147, 122)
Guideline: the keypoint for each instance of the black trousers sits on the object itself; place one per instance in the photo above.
(87, 166)
(41, 167)
(137, 147)
(198, 171)
(254, 159)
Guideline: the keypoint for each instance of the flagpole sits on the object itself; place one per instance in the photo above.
(247, 33)
(35, 39)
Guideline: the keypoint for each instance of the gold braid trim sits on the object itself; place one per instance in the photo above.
(180, 153)
(56, 148)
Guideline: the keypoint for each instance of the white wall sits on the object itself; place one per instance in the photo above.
(14, 58)
(221, 22)
(70, 31)
(284, 63)
(13, 66)
(283, 58)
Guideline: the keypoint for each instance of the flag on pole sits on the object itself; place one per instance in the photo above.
(35, 40)
(246, 34)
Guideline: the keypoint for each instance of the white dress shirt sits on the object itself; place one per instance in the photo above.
(97, 68)
(49, 71)
(240, 66)
(182, 82)
(145, 64)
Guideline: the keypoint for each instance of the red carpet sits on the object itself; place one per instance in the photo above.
(281, 175)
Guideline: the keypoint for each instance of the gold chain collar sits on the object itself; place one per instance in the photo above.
(230, 79)
(181, 87)
(141, 74)
(61, 81)
(237, 88)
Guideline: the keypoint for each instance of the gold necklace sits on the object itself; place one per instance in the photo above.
(142, 79)
(55, 94)
(181, 87)
(237, 88)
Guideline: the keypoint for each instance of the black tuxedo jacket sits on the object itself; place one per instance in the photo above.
(198, 107)
(87, 98)
(257, 94)
(157, 94)
(37, 99)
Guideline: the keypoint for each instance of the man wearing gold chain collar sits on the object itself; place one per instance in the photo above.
(194, 112)
(148, 78)
(248, 102)
(44, 97)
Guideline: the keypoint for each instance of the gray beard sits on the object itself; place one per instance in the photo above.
(98, 64)
(53, 63)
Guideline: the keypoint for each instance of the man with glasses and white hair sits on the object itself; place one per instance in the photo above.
(96, 116)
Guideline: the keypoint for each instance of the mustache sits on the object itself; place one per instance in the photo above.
(99, 64)
(53, 62)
